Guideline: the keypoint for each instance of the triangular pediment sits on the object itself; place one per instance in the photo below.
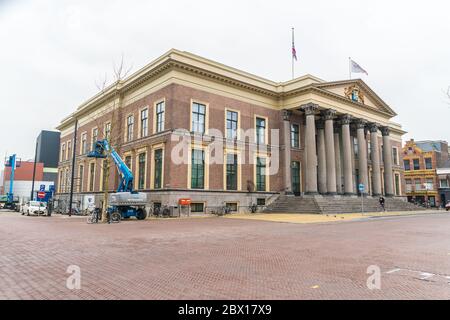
(356, 91)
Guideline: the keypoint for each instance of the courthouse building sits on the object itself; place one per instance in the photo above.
(317, 137)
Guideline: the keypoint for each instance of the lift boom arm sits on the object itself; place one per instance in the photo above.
(101, 150)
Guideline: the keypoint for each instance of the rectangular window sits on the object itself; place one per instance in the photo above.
(408, 185)
(232, 124)
(198, 117)
(197, 207)
(83, 143)
(80, 178)
(108, 131)
(128, 162)
(443, 183)
(198, 169)
(233, 206)
(104, 180)
(261, 202)
(160, 108)
(94, 138)
(395, 155)
(260, 130)
(60, 182)
(407, 165)
(418, 184)
(69, 150)
(355, 147)
(416, 164)
(429, 184)
(260, 174)
(397, 184)
(369, 151)
(144, 123)
(141, 168)
(91, 176)
(158, 169)
(232, 171)
(428, 164)
(295, 135)
(63, 152)
(67, 181)
(130, 127)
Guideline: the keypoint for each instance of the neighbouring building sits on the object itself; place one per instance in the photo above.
(305, 136)
(426, 164)
(47, 153)
(23, 179)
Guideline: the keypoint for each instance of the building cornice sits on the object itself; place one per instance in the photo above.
(207, 69)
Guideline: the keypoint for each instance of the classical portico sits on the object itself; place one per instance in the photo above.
(347, 143)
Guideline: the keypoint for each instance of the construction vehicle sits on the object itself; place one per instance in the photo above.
(13, 162)
(125, 201)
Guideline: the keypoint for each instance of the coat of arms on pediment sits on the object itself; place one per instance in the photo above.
(354, 93)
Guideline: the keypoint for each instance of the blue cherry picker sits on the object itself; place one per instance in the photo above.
(13, 162)
(125, 201)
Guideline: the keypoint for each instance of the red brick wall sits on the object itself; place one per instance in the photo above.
(25, 172)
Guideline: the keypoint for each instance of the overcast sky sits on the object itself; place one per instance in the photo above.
(52, 52)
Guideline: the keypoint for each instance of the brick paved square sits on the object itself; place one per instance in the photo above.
(218, 258)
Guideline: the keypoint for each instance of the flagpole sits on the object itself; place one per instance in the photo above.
(350, 68)
(292, 56)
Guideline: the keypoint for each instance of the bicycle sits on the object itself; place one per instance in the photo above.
(223, 210)
(253, 208)
(112, 217)
(94, 216)
(160, 211)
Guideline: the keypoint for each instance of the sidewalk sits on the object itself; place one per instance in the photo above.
(318, 218)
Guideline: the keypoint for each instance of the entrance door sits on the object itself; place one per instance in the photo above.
(295, 177)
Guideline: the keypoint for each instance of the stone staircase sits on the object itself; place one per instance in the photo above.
(335, 204)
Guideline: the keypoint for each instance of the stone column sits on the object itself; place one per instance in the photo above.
(321, 157)
(347, 148)
(375, 153)
(329, 151)
(310, 148)
(287, 151)
(387, 159)
(337, 150)
(362, 148)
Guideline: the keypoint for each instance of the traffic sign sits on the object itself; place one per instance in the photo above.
(41, 194)
(42, 187)
(51, 188)
(361, 187)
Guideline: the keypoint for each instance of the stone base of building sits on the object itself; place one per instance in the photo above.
(209, 200)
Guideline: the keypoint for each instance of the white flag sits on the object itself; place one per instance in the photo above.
(356, 68)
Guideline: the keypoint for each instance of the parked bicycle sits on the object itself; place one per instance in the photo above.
(160, 211)
(253, 208)
(95, 216)
(220, 211)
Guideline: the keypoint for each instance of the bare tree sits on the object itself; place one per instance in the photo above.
(113, 134)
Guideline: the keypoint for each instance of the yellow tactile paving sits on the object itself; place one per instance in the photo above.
(315, 218)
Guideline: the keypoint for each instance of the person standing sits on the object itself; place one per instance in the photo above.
(382, 201)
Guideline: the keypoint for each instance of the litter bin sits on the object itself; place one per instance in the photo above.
(174, 211)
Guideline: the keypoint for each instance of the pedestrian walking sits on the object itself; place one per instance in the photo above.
(381, 200)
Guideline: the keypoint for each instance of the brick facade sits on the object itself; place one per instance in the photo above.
(178, 99)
